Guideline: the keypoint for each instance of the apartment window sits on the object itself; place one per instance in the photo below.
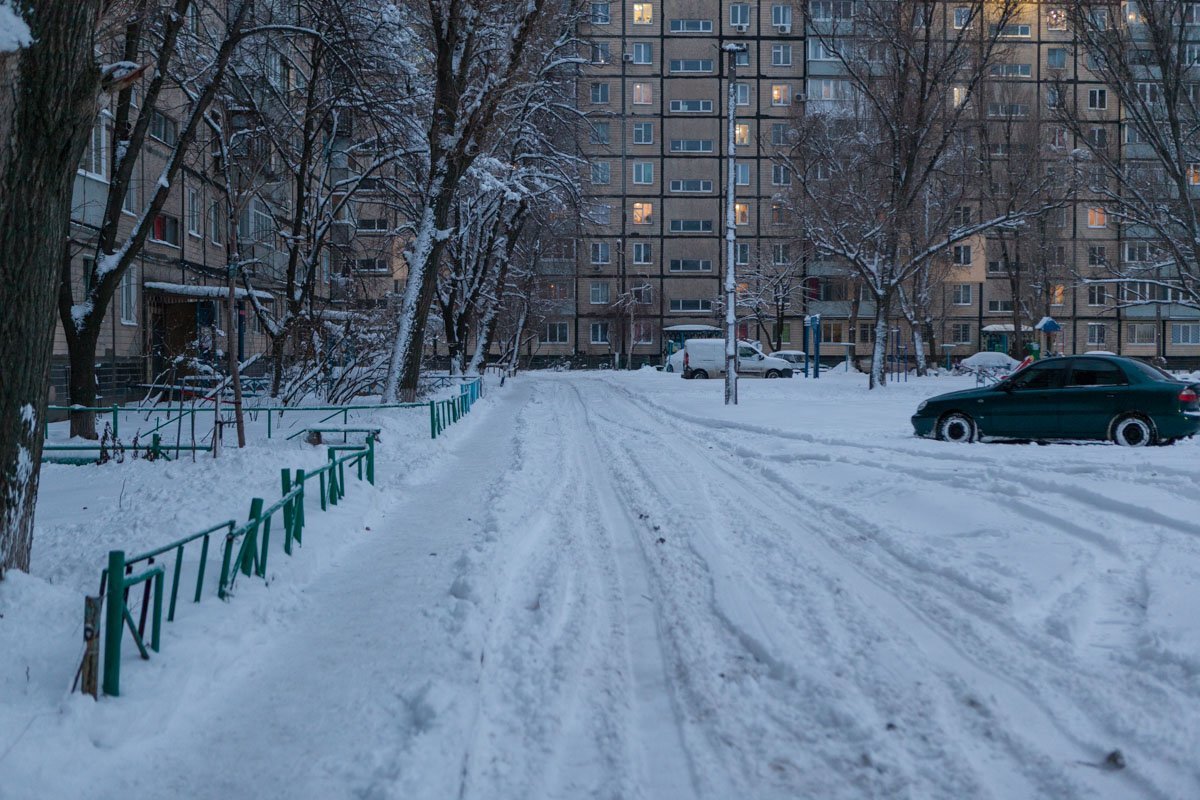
(1138, 252)
(1057, 293)
(600, 252)
(690, 265)
(783, 332)
(691, 226)
(1056, 58)
(781, 94)
(642, 295)
(1097, 99)
(643, 94)
(1000, 306)
(995, 267)
(781, 55)
(601, 53)
(1009, 110)
(961, 217)
(1097, 217)
(741, 173)
(691, 106)
(960, 333)
(779, 254)
(781, 16)
(691, 26)
(1056, 19)
(962, 255)
(777, 214)
(643, 133)
(166, 229)
(920, 17)
(557, 332)
(1013, 30)
(643, 173)
(643, 13)
(642, 253)
(1193, 174)
(216, 224)
(643, 53)
(1058, 136)
(818, 51)
(1185, 333)
(741, 134)
(962, 17)
(1191, 13)
(601, 13)
(780, 175)
(691, 145)
(691, 185)
(1011, 70)
(1150, 92)
(128, 289)
(95, 155)
(163, 128)
(1097, 333)
(866, 332)
(194, 208)
(599, 333)
(643, 331)
(1097, 294)
(742, 92)
(599, 93)
(643, 213)
(1054, 97)
(739, 14)
(778, 133)
(741, 254)
(960, 294)
(370, 225)
(600, 133)
(372, 265)
(598, 294)
(601, 173)
(686, 65)
(1141, 333)
(1097, 255)
(741, 213)
(681, 304)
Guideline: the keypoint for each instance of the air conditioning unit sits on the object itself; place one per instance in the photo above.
(800, 97)
(741, 28)
(627, 57)
(784, 28)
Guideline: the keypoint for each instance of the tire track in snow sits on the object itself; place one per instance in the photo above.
(1074, 717)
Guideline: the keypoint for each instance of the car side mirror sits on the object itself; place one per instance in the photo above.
(761, 356)
(1005, 386)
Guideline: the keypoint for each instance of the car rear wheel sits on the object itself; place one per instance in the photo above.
(670, 367)
(956, 427)
(772, 373)
(1133, 430)
(699, 374)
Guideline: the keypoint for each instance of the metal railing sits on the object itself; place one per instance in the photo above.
(444, 413)
(245, 551)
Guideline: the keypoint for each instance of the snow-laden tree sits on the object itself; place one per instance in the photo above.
(882, 151)
(49, 81)
(1145, 55)
(160, 35)
(475, 63)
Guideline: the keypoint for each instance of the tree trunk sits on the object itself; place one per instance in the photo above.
(81, 355)
(919, 349)
(47, 106)
(879, 349)
(278, 344)
(231, 352)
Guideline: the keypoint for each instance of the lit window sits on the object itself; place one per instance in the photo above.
(1097, 217)
(781, 94)
(741, 134)
(643, 213)
(643, 13)
(643, 94)
(1193, 174)
(1056, 19)
(1057, 292)
(741, 213)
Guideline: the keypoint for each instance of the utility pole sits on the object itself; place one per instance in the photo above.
(732, 49)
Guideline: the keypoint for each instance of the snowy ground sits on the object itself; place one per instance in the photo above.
(610, 585)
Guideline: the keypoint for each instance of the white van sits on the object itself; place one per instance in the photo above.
(703, 358)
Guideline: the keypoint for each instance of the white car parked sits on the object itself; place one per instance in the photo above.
(705, 358)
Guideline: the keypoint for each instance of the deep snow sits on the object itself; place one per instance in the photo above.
(611, 585)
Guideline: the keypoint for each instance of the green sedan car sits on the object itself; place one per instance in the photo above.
(1109, 398)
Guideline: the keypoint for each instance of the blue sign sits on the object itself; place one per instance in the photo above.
(1048, 325)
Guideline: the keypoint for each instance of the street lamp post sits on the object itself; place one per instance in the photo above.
(732, 49)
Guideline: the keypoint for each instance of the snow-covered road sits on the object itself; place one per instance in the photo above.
(618, 588)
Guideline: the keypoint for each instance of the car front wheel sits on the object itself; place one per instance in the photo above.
(699, 374)
(956, 427)
(1133, 431)
(772, 373)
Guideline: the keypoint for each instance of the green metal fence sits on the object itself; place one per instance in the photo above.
(444, 413)
(245, 551)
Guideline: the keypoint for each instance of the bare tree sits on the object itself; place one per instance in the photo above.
(48, 91)
(1150, 71)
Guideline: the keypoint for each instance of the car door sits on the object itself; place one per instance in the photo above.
(1091, 397)
(750, 361)
(1026, 405)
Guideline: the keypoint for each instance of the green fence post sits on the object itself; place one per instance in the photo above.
(268, 424)
(300, 506)
(114, 622)
(333, 478)
(432, 421)
(371, 459)
(285, 478)
(250, 543)
(155, 445)
(156, 636)
(116, 425)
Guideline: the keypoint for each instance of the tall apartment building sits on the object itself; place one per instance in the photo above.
(651, 254)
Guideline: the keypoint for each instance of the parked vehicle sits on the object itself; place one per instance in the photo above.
(705, 358)
(793, 357)
(988, 360)
(1077, 397)
(675, 361)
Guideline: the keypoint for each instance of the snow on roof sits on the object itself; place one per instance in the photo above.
(1003, 328)
(339, 316)
(203, 291)
(691, 328)
(14, 33)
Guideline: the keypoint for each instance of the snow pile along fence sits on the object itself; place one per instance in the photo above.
(245, 551)
(444, 413)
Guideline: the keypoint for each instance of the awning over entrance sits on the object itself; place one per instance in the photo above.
(1002, 328)
(203, 292)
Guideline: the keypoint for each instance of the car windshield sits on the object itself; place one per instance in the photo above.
(1152, 372)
